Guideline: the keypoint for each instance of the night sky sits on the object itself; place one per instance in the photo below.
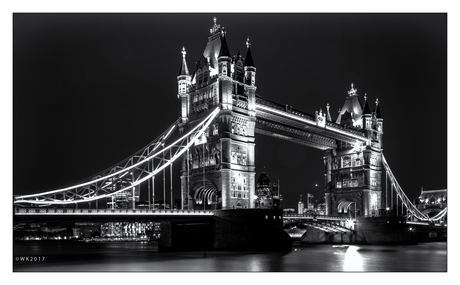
(91, 89)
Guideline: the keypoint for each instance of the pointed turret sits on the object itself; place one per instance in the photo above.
(184, 81)
(328, 114)
(213, 47)
(367, 110)
(183, 67)
(367, 115)
(352, 110)
(378, 117)
(224, 59)
(248, 61)
(377, 110)
(250, 80)
(249, 66)
(224, 51)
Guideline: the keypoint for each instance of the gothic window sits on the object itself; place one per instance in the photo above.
(373, 161)
(347, 161)
(200, 76)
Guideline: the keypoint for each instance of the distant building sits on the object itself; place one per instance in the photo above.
(310, 205)
(300, 206)
(125, 199)
(267, 194)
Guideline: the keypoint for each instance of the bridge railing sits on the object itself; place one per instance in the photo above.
(318, 217)
(61, 211)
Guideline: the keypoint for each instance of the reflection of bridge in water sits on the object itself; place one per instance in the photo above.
(220, 113)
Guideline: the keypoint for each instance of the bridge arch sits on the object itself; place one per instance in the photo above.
(205, 195)
(347, 207)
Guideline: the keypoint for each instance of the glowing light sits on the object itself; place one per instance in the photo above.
(357, 147)
(353, 260)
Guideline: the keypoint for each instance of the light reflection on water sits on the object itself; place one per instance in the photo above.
(127, 257)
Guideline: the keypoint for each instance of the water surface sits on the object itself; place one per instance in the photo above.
(58, 256)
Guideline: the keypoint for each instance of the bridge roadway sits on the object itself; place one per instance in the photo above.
(59, 215)
(314, 217)
(110, 212)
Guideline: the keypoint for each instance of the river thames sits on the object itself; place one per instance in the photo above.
(71, 256)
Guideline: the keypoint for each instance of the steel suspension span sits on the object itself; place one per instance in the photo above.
(139, 167)
(411, 208)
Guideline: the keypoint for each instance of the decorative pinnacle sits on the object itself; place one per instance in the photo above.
(327, 107)
(248, 43)
(183, 52)
(377, 102)
(215, 28)
(365, 96)
(352, 90)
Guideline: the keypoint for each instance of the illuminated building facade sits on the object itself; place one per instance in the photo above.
(300, 206)
(128, 229)
(219, 171)
(353, 172)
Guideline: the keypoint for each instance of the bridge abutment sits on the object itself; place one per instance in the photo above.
(242, 229)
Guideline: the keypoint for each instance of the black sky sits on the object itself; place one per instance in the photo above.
(91, 89)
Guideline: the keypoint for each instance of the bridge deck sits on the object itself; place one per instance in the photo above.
(102, 212)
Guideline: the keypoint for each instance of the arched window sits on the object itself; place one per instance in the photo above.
(346, 162)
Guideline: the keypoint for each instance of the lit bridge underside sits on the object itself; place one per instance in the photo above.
(327, 224)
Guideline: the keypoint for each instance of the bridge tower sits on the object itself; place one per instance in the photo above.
(353, 173)
(218, 172)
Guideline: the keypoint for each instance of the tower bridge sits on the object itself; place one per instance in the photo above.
(220, 113)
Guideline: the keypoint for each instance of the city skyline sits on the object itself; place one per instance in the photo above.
(87, 87)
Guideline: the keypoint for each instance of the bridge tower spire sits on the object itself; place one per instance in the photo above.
(184, 81)
(219, 172)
